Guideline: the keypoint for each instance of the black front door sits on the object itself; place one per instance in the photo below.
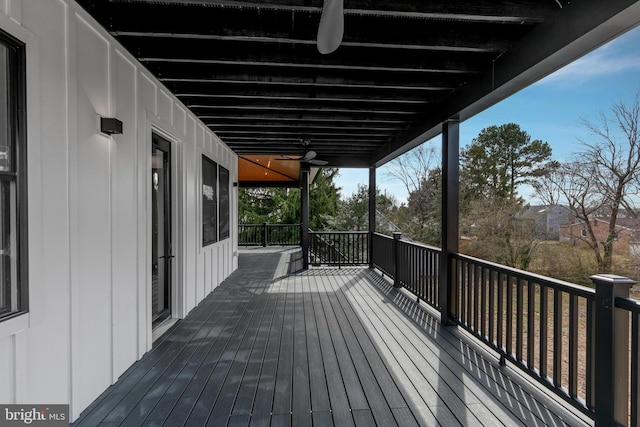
(161, 254)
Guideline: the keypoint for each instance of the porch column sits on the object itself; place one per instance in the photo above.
(449, 234)
(304, 209)
(372, 211)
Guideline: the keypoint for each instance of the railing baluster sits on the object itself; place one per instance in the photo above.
(483, 302)
(544, 330)
(500, 309)
(476, 297)
(590, 349)
(531, 323)
(509, 337)
(557, 338)
(492, 307)
(519, 319)
(573, 345)
(635, 361)
(469, 282)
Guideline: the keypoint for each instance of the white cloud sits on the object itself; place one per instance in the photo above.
(619, 56)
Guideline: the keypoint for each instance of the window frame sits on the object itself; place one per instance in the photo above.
(206, 241)
(17, 173)
(227, 211)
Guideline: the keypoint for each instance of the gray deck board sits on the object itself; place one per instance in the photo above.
(323, 347)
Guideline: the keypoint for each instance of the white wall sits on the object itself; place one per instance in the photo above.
(88, 195)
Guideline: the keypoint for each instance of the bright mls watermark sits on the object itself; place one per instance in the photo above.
(35, 415)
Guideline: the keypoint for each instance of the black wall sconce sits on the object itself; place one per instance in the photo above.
(110, 126)
(235, 183)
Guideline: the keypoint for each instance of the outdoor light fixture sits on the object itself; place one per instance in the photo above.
(235, 183)
(110, 126)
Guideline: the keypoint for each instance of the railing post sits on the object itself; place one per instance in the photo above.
(611, 351)
(264, 234)
(394, 257)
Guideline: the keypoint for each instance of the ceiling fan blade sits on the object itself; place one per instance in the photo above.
(331, 28)
(309, 155)
(317, 162)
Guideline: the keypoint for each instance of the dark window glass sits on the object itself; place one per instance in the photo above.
(13, 213)
(209, 201)
(223, 183)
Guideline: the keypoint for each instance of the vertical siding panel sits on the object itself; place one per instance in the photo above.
(165, 107)
(92, 261)
(148, 94)
(190, 224)
(48, 203)
(179, 118)
(7, 364)
(125, 214)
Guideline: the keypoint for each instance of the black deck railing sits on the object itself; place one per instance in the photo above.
(580, 342)
(341, 248)
(542, 325)
(268, 234)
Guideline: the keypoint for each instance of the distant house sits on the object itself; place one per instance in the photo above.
(548, 220)
(627, 234)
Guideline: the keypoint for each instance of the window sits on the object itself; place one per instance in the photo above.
(209, 201)
(583, 232)
(13, 212)
(223, 182)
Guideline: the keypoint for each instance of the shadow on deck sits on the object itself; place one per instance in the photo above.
(273, 345)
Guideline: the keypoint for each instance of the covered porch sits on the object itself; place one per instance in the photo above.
(277, 345)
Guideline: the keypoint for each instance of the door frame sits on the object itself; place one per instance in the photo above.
(163, 144)
(154, 125)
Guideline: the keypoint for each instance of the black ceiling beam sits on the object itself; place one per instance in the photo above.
(433, 84)
(302, 120)
(325, 76)
(302, 104)
(498, 10)
(186, 89)
(228, 52)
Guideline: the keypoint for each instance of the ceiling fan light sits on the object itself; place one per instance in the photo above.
(331, 28)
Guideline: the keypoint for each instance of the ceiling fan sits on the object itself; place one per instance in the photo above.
(331, 28)
(309, 156)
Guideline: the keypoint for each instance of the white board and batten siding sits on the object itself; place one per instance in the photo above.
(89, 202)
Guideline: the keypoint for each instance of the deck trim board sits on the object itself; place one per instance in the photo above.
(322, 347)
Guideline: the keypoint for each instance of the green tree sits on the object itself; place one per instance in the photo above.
(282, 205)
(323, 199)
(500, 159)
(353, 212)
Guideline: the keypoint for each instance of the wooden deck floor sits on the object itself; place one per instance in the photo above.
(323, 347)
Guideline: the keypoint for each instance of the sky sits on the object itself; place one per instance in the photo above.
(551, 110)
